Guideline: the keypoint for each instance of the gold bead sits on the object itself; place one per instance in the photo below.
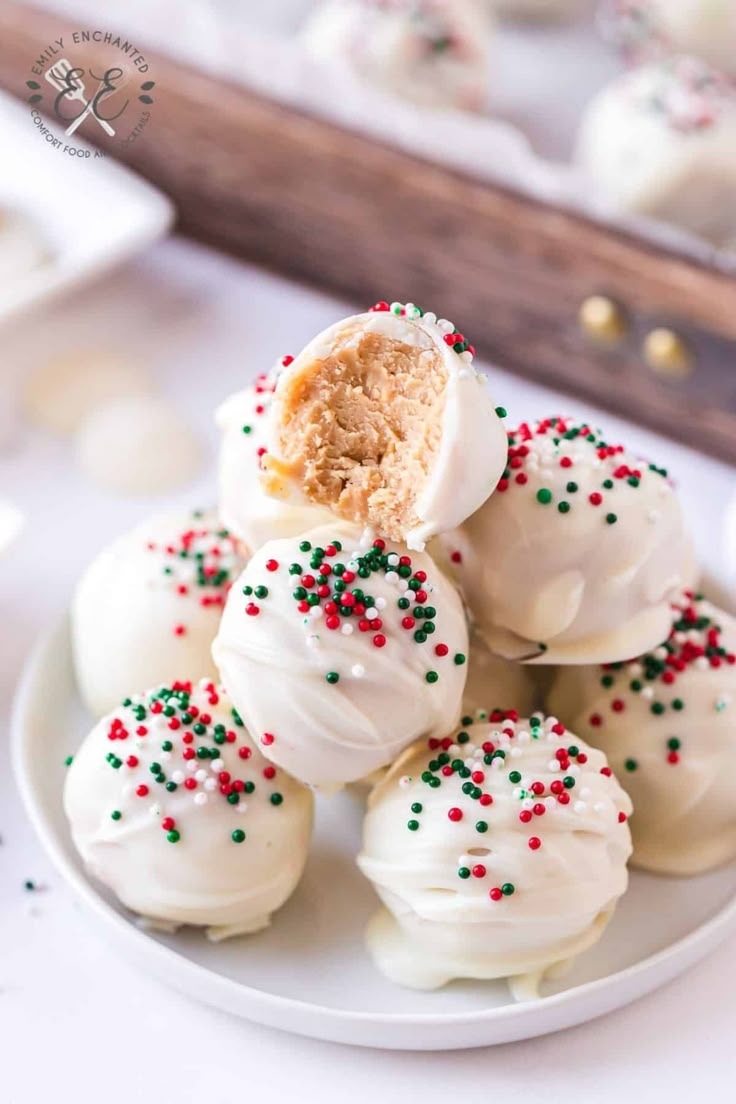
(602, 319)
(667, 353)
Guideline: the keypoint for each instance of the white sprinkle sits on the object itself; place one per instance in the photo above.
(201, 775)
(315, 612)
(405, 781)
(358, 670)
(599, 807)
(216, 765)
(585, 791)
(155, 810)
(517, 792)
(391, 577)
(580, 806)
(165, 756)
(241, 807)
(527, 803)
(178, 777)
(553, 765)
(191, 766)
(210, 785)
(371, 613)
(648, 692)
(381, 603)
(393, 559)
(347, 629)
(200, 798)
(516, 752)
(523, 738)
(550, 803)
(701, 663)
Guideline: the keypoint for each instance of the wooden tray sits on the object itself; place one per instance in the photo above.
(331, 207)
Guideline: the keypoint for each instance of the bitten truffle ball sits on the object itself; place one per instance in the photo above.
(384, 420)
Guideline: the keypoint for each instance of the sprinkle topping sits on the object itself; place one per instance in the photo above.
(171, 741)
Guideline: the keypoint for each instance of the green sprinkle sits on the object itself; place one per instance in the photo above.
(276, 798)
(412, 825)
(332, 677)
(116, 814)
(247, 428)
(463, 872)
(502, 412)
(630, 764)
(416, 807)
(69, 760)
(678, 704)
(571, 487)
(261, 592)
(481, 825)
(611, 519)
(431, 676)
(657, 708)
(514, 777)
(238, 835)
(459, 659)
(173, 836)
(563, 507)
(305, 546)
(544, 495)
(507, 889)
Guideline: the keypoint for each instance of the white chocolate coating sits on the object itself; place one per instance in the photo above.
(66, 389)
(496, 683)
(561, 578)
(661, 141)
(275, 662)
(245, 508)
(473, 444)
(677, 763)
(510, 887)
(143, 614)
(122, 815)
(431, 52)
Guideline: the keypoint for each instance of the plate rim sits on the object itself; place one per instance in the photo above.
(649, 973)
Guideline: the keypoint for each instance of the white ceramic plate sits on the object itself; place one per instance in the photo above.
(90, 215)
(309, 973)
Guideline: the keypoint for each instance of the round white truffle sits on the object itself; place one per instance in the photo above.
(667, 721)
(383, 419)
(655, 28)
(245, 508)
(498, 852)
(431, 52)
(147, 609)
(661, 141)
(577, 555)
(172, 806)
(339, 652)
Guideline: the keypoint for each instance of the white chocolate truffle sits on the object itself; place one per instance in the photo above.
(173, 807)
(661, 141)
(433, 52)
(495, 683)
(383, 419)
(339, 652)
(138, 445)
(148, 607)
(577, 555)
(498, 852)
(667, 722)
(245, 508)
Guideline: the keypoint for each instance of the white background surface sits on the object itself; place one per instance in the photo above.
(77, 1023)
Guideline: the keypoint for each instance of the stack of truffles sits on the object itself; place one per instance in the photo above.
(389, 569)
